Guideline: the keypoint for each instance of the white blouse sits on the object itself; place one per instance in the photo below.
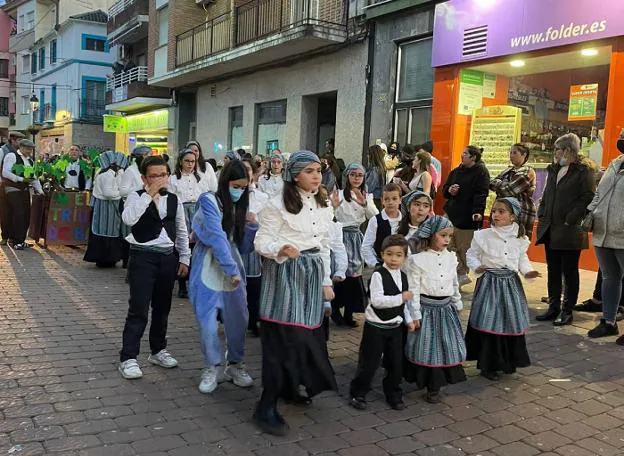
(499, 248)
(257, 199)
(309, 229)
(354, 214)
(187, 188)
(209, 179)
(272, 186)
(131, 181)
(379, 300)
(106, 185)
(433, 273)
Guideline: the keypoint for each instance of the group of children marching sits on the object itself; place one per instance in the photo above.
(278, 249)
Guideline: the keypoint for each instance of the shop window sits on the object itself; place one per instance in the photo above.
(236, 127)
(4, 68)
(270, 126)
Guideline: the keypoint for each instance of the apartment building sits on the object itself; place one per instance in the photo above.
(62, 58)
(6, 75)
(262, 74)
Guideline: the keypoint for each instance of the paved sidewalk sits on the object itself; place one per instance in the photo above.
(60, 392)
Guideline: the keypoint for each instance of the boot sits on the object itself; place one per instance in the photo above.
(182, 291)
(565, 318)
(270, 422)
(554, 307)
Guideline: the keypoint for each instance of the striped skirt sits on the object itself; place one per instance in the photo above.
(189, 212)
(252, 264)
(292, 292)
(440, 341)
(352, 238)
(106, 219)
(499, 305)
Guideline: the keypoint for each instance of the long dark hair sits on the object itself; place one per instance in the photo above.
(407, 172)
(524, 150)
(234, 214)
(292, 198)
(376, 161)
(178, 168)
(201, 161)
(347, 186)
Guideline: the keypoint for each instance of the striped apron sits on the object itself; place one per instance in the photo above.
(106, 217)
(499, 305)
(292, 292)
(252, 264)
(352, 238)
(440, 340)
(189, 212)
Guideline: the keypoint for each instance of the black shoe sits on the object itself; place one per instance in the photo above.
(550, 315)
(19, 246)
(588, 306)
(490, 375)
(603, 330)
(398, 405)
(620, 341)
(565, 318)
(337, 319)
(433, 397)
(358, 403)
(619, 316)
(271, 423)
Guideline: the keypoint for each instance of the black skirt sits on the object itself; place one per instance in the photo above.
(294, 356)
(351, 294)
(103, 251)
(494, 352)
(432, 378)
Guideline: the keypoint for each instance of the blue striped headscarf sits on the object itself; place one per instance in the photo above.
(432, 225)
(107, 158)
(514, 203)
(232, 155)
(352, 167)
(277, 155)
(407, 199)
(121, 160)
(297, 162)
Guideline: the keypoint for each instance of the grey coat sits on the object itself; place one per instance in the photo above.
(608, 207)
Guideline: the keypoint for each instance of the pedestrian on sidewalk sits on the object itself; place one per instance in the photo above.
(499, 316)
(389, 309)
(435, 348)
(222, 230)
(159, 253)
(5, 220)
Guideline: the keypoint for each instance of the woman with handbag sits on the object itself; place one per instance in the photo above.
(606, 220)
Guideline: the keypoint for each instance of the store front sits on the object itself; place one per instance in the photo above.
(151, 129)
(528, 72)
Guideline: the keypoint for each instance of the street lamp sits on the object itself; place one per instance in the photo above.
(34, 107)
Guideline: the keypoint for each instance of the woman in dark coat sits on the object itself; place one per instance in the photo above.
(569, 189)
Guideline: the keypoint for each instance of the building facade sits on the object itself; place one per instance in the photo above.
(7, 75)
(263, 74)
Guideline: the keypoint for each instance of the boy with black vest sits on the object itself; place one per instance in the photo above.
(387, 311)
(382, 225)
(159, 253)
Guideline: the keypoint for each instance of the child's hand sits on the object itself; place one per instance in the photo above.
(411, 327)
(328, 294)
(289, 251)
(336, 279)
(335, 199)
(481, 269)
(407, 295)
(532, 275)
(235, 280)
(416, 324)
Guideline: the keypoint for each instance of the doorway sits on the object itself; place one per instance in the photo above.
(318, 121)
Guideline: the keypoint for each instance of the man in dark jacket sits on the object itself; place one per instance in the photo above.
(569, 189)
(466, 191)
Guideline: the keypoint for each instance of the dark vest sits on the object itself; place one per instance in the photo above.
(390, 289)
(150, 224)
(8, 182)
(383, 231)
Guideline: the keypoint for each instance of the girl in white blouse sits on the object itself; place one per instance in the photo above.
(436, 351)
(419, 207)
(204, 169)
(294, 240)
(499, 316)
(272, 183)
(354, 206)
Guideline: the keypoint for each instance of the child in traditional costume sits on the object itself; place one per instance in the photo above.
(272, 183)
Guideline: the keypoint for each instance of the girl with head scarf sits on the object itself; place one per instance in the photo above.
(354, 206)
(294, 240)
(417, 207)
(272, 183)
(436, 351)
(499, 316)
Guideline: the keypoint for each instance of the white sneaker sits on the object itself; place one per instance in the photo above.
(464, 280)
(237, 374)
(130, 369)
(163, 359)
(209, 379)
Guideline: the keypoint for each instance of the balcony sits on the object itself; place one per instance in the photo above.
(127, 21)
(256, 33)
(128, 91)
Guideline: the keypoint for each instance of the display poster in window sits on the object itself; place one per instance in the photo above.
(583, 100)
(470, 91)
(489, 85)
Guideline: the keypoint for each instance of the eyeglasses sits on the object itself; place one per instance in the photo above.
(157, 176)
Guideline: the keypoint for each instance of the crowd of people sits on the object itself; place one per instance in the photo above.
(277, 248)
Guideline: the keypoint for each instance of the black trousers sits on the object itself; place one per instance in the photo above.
(254, 285)
(19, 213)
(375, 343)
(5, 219)
(563, 263)
(151, 277)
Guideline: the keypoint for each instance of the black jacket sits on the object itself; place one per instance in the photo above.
(474, 185)
(563, 206)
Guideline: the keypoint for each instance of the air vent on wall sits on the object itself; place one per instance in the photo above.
(475, 41)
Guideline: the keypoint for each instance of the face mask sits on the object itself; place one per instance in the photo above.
(620, 145)
(236, 193)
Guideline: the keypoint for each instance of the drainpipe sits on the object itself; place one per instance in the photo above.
(56, 19)
(369, 92)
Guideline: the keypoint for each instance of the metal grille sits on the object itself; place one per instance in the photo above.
(475, 41)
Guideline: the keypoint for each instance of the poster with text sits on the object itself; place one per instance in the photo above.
(470, 91)
(582, 105)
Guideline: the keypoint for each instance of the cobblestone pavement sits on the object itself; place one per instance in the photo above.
(60, 393)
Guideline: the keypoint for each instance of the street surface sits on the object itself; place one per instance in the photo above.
(60, 392)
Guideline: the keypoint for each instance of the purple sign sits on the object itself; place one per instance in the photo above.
(467, 30)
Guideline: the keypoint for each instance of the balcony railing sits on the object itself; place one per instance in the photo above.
(254, 20)
(118, 7)
(136, 74)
